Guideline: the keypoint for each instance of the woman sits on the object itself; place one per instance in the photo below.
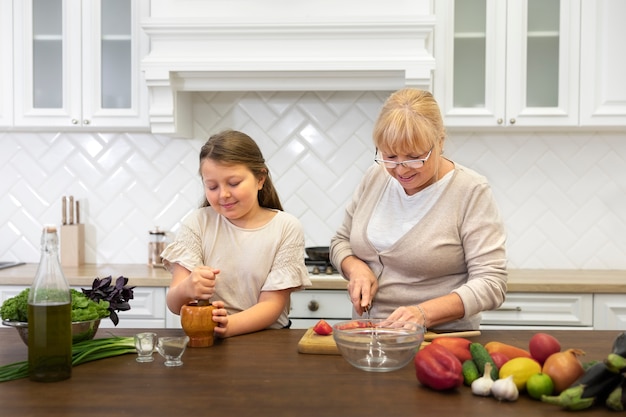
(239, 250)
(422, 239)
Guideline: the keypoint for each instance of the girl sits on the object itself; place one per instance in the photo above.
(240, 249)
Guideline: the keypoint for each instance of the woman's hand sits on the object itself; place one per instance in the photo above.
(220, 316)
(362, 285)
(407, 313)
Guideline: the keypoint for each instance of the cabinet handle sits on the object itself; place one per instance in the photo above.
(500, 121)
(512, 121)
(313, 305)
(510, 309)
(74, 121)
(86, 121)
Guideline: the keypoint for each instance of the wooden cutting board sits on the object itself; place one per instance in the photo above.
(313, 343)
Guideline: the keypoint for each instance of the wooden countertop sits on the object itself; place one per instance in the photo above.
(520, 280)
(262, 374)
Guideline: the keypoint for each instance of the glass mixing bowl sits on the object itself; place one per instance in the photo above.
(378, 345)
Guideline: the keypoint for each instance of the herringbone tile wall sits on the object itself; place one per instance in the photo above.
(563, 195)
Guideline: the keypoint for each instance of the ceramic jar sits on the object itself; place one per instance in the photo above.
(197, 323)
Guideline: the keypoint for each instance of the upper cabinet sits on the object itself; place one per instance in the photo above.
(507, 63)
(603, 63)
(6, 57)
(76, 64)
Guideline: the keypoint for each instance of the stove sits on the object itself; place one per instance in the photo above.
(320, 267)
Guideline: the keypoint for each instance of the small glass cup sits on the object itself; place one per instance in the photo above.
(172, 349)
(145, 344)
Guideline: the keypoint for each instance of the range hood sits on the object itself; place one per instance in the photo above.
(281, 45)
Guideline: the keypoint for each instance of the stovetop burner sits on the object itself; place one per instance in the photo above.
(320, 266)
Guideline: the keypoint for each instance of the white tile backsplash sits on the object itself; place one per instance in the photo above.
(563, 195)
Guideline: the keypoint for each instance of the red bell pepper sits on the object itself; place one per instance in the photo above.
(436, 367)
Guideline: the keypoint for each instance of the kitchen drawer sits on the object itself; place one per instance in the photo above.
(147, 309)
(542, 309)
(320, 304)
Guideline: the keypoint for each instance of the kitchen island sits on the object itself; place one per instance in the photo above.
(262, 374)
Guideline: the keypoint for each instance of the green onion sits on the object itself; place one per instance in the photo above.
(82, 352)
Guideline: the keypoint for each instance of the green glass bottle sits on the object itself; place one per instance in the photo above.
(49, 316)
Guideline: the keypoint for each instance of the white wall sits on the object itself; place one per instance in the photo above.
(563, 195)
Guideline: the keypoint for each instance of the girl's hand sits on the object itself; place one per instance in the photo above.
(220, 316)
(201, 283)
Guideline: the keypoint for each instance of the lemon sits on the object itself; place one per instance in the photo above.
(521, 369)
(539, 384)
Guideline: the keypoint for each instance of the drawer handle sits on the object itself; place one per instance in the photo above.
(313, 305)
(510, 309)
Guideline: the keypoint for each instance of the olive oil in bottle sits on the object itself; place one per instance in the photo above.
(49, 316)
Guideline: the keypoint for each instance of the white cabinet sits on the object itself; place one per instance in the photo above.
(76, 64)
(505, 63)
(542, 310)
(609, 312)
(6, 58)
(309, 306)
(603, 63)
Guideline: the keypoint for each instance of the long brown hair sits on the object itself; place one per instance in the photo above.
(232, 147)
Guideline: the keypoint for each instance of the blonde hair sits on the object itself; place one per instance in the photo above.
(409, 122)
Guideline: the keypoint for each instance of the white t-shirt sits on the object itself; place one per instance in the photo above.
(397, 212)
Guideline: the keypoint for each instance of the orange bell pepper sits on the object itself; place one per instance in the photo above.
(509, 351)
(459, 346)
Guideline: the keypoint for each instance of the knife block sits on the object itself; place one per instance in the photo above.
(72, 244)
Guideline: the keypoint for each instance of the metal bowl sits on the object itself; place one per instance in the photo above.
(81, 330)
(378, 345)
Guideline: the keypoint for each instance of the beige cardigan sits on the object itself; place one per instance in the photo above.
(459, 246)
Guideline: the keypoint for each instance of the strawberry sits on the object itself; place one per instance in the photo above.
(323, 328)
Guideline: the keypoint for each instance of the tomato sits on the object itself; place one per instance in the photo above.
(542, 345)
(499, 359)
(354, 324)
(322, 328)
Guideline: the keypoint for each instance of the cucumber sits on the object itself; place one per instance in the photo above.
(470, 372)
(480, 356)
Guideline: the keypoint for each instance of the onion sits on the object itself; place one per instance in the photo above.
(564, 368)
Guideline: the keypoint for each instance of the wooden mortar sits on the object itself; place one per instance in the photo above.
(197, 323)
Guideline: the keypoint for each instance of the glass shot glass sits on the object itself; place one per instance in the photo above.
(145, 344)
(172, 349)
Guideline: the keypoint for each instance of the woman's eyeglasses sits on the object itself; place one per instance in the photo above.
(413, 163)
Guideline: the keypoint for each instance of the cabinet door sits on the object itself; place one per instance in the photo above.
(603, 63)
(505, 63)
(77, 64)
(6, 58)
(609, 312)
(470, 52)
(114, 93)
(542, 62)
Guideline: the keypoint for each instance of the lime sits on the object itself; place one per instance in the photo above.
(539, 384)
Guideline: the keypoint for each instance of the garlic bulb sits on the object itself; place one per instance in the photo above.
(505, 389)
(482, 386)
